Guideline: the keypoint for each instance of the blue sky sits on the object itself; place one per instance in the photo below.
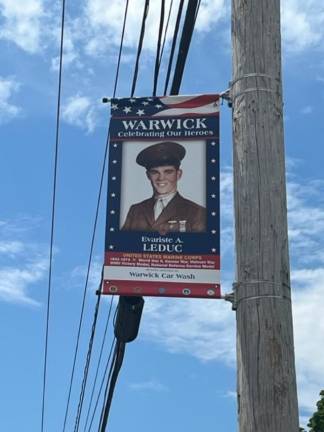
(180, 373)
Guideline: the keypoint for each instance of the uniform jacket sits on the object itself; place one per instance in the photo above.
(178, 214)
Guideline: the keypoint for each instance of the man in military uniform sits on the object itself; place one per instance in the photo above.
(166, 211)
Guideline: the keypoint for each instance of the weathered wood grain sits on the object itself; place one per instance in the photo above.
(267, 394)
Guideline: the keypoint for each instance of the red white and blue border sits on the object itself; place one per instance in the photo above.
(196, 271)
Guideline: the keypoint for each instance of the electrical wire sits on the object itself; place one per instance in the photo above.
(86, 282)
(183, 50)
(112, 365)
(184, 45)
(112, 347)
(99, 362)
(197, 10)
(158, 49)
(120, 48)
(190, 19)
(119, 357)
(58, 111)
(165, 32)
(94, 229)
(174, 42)
(88, 358)
(140, 45)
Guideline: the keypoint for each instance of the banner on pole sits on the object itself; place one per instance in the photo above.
(163, 221)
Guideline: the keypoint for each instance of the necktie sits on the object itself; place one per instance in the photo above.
(158, 208)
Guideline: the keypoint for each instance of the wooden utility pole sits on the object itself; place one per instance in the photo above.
(267, 397)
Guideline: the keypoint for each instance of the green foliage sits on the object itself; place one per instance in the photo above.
(316, 422)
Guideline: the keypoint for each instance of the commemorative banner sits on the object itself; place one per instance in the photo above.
(163, 221)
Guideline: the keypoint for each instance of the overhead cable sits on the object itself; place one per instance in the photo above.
(86, 282)
(165, 32)
(111, 362)
(140, 45)
(158, 49)
(129, 312)
(57, 135)
(117, 364)
(184, 45)
(88, 358)
(120, 48)
(94, 231)
(197, 10)
(174, 42)
(99, 362)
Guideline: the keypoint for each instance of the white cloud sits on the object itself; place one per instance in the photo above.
(151, 385)
(201, 328)
(78, 274)
(110, 20)
(70, 54)
(22, 264)
(306, 222)
(11, 247)
(80, 111)
(231, 394)
(22, 23)
(308, 306)
(16, 281)
(8, 110)
(302, 24)
(210, 13)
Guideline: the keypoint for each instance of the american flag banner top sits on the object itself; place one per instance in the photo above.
(163, 218)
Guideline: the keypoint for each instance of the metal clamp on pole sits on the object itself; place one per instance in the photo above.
(226, 95)
(129, 313)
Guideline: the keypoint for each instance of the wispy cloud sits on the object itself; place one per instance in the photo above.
(8, 111)
(302, 24)
(201, 328)
(22, 23)
(22, 265)
(11, 247)
(16, 281)
(100, 17)
(151, 385)
(308, 305)
(78, 275)
(81, 111)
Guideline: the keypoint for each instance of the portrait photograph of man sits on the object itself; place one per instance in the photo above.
(172, 204)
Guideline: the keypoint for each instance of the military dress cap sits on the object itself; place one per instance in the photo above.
(161, 154)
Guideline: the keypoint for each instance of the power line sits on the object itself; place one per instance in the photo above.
(129, 313)
(188, 26)
(184, 45)
(116, 366)
(86, 282)
(94, 231)
(165, 32)
(120, 48)
(112, 347)
(99, 362)
(197, 10)
(140, 45)
(58, 111)
(174, 41)
(86, 367)
(158, 49)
